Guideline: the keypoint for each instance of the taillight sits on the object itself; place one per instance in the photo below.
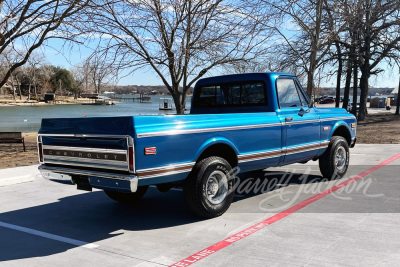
(40, 149)
(131, 159)
(131, 154)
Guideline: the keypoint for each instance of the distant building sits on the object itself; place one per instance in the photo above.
(49, 97)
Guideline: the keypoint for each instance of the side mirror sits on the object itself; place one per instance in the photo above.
(301, 112)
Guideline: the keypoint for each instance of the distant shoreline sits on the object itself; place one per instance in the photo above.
(24, 103)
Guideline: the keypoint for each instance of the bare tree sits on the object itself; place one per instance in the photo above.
(379, 33)
(99, 70)
(9, 57)
(44, 75)
(34, 62)
(82, 76)
(306, 37)
(178, 40)
(30, 23)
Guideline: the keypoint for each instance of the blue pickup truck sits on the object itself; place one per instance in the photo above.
(249, 121)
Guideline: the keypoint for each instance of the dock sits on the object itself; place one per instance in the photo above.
(142, 98)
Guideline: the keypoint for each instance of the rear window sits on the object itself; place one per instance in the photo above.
(232, 94)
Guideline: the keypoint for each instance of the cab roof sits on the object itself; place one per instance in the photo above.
(243, 77)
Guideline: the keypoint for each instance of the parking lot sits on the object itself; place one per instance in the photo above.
(280, 216)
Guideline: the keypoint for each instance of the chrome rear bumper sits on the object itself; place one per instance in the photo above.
(103, 180)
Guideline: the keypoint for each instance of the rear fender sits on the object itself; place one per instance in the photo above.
(215, 141)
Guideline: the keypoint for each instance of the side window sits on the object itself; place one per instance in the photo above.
(287, 93)
(208, 96)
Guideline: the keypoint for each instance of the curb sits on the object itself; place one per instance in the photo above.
(17, 180)
(18, 175)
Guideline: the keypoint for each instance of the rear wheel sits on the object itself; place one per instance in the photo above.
(208, 189)
(334, 162)
(127, 198)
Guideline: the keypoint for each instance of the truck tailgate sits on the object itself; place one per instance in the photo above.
(95, 125)
(99, 143)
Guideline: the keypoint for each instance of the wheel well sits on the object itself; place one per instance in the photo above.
(343, 132)
(220, 150)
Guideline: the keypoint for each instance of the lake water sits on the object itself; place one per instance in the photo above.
(28, 118)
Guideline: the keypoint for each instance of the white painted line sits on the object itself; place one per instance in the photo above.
(49, 236)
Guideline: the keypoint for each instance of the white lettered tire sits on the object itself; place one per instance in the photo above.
(334, 163)
(208, 188)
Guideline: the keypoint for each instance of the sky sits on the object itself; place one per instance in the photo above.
(69, 57)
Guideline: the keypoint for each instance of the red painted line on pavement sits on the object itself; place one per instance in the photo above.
(258, 226)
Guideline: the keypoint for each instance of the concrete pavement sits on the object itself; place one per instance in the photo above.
(41, 221)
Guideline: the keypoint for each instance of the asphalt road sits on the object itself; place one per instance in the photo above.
(45, 223)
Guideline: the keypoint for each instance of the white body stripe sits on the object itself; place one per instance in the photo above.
(232, 128)
(206, 130)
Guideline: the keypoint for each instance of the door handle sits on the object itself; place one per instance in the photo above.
(287, 119)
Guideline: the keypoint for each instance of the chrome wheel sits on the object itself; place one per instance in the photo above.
(340, 158)
(216, 187)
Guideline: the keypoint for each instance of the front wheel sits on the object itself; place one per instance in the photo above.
(334, 162)
(208, 189)
(127, 198)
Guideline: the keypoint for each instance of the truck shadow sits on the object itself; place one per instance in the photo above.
(93, 217)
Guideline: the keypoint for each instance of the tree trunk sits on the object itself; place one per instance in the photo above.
(310, 83)
(19, 88)
(98, 86)
(355, 87)
(338, 79)
(29, 91)
(13, 88)
(183, 99)
(314, 48)
(177, 101)
(364, 92)
(14, 92)
(398, 100)
(365, 66)
(35, 85)
(347, 85)
(339, 74)
(35, 88)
